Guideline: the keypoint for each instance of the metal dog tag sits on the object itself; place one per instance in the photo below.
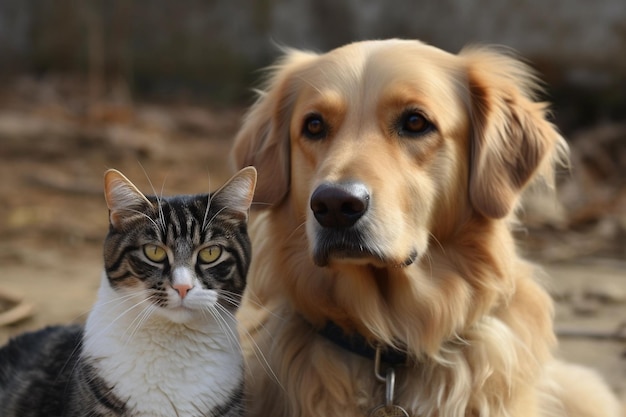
(389, 411)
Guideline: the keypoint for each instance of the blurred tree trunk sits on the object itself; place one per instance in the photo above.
(56, 35)
(121, 50)
(93, 17)
(109, 57)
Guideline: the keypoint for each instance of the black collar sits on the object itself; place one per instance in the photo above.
(356, 343)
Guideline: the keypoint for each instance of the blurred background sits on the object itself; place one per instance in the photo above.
(157, 89)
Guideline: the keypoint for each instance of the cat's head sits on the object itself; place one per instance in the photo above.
(183, 256)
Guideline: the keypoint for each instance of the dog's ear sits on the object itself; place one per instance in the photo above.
(263, 140)
(512, 142)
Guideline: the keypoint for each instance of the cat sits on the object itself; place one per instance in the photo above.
(161, 339)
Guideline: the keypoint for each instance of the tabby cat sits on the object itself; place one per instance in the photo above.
(161, 339)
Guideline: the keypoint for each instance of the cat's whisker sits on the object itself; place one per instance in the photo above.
(215, 216)
(161, 216)
(206, 213)
(208, 207)
(124, 297)
(260, 356)
(159, 199)
(233, 298)
(232, 336)
(119, 316)
(156, 225)
(145, 173)
(214, 311)
(258, 353)
(214, 318)
(76, 351)
(140, 320)
(261, 307)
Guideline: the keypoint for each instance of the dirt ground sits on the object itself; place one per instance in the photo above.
(54, 149)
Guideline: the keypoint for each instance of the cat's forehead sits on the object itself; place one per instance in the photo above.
(182, 201)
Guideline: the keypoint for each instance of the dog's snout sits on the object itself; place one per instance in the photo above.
(339, 205)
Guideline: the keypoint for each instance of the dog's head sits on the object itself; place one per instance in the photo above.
(382, 146)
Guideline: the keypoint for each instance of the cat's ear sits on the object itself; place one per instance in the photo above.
(124, 200)
(238, 191)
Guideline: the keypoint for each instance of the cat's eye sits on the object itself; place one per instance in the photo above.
(209, 254)
(154, 252)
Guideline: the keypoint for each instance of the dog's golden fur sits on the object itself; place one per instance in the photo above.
(439, 275)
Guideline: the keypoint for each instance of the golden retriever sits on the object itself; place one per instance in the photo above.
(389, 174)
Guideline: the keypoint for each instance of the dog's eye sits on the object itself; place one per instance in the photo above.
(314, 127)
(413, 123)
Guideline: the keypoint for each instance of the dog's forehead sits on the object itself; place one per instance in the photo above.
(383, 76)
(376, 67)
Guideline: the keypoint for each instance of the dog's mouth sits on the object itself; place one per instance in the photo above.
(343, 230)
(349, 246)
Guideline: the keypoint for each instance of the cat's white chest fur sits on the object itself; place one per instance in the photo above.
(161, 368)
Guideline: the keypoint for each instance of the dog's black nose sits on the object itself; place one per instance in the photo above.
(339, 205)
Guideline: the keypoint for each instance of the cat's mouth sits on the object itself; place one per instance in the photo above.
(179, 314)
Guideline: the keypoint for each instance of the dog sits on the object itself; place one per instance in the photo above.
(385, 278)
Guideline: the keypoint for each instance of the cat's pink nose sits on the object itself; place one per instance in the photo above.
(182, 289)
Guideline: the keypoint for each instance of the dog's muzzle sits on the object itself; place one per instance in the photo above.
(344, 229)
(339, 209)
